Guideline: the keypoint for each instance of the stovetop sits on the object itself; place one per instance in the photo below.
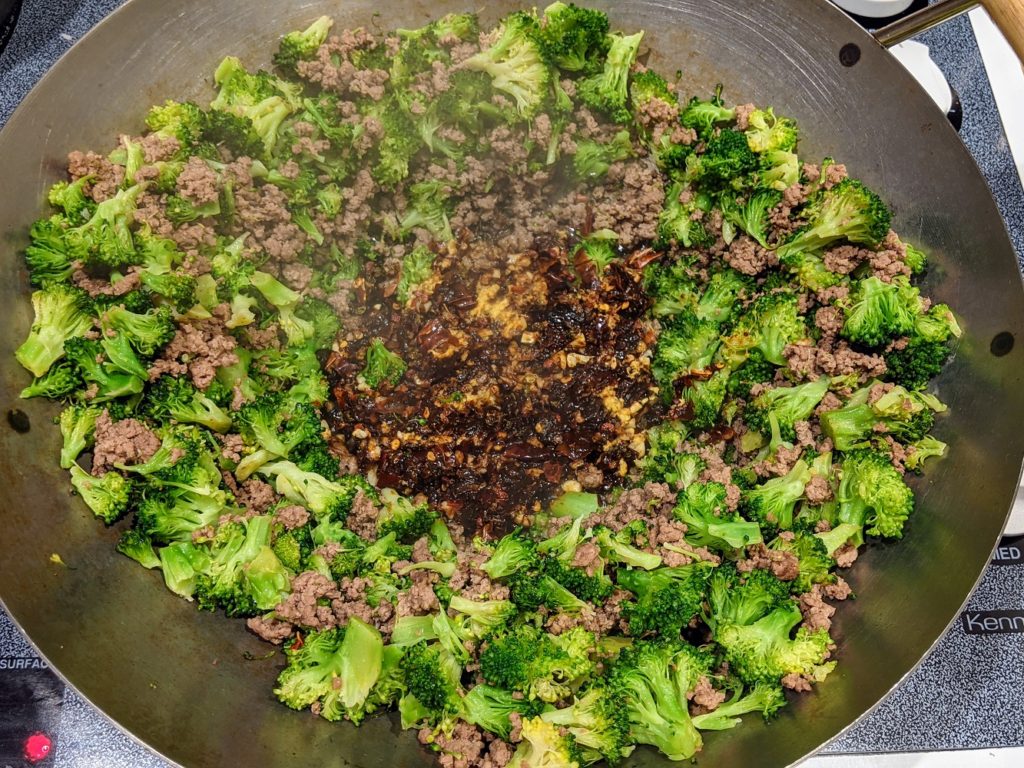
(967, 694)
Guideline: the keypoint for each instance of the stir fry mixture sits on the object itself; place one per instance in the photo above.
(494, 378)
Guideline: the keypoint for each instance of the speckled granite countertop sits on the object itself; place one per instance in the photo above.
(980, 677)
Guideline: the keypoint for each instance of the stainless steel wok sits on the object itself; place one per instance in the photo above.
(183, 682)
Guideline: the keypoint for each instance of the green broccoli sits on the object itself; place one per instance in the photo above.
(770, 323)
(708, 524)
(513, 552)
(921, 450)
(540, 665)
(666, 598)
(62, 380)
(652, 678)
(61, 313)
(703, 116)
(597, 722)
(608, 90)
(680, 220)
(382, 365)
(47, 256)
(148, 332)
(878, 311)
(544, 746)
(764, 651)
(428, 209)
(96, 369)
(872, 493)
(754, 370)
(726, 160)
(768, 133)
(917, 363)
(490, 707)
(324, 498)
(172, 397)
(763, 697)
(406, 520)
(575, 39)
(182, 121)
(772, 503)
(815, 562)
(107, 496)
(77, 425)
(741, 599)
(686, 345)
(517, 63)
(848, 211)
(244, 576)
(787, 405)
(337, 668)
(593, 159)
(416, 269)
(139, 548)
(615, 548)
(432, 675)
(299, 45)
(664, 461)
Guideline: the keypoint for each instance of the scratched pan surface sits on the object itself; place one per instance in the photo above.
(179, 680)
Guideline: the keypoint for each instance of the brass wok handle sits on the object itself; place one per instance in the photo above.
(1008, 15)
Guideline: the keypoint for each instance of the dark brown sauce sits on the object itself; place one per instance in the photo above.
(520, 378)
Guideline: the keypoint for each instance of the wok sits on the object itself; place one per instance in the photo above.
(196, 687)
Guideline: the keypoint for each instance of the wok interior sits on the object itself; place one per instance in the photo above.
(180, 680)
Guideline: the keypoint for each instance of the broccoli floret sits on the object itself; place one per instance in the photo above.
(666, 598)
(916, 259)
(917, 363)
(735, 598)
(173, 397)
(382, 365)
(244, 576)
(428, 209)
(490, 707)
(671, 286)
(530, 590)
(105, 240)
(755, 370)
(476, 619)
(514, 552)
(810, 271)
(897, 412)
(921, 450)
(238, 135)
(779, 170)
(276, 425)
(544, 746)
(592, 255)
(848, 211)
(293, 548)
(686, 345)
(598, 723)
(593, 587)
(648, 87)
(262, 98)
(107, 496)
(337, 668)
(70, 197)
(787, 404)
(727, 159)
(608, 90)
(432, 675)
(814, 561)
(169, 515)
(705, 116)
(680, 220)
(664, 462)
(325, 498)
(752, 216)
(937, 324)
(593, 159)
(771, 503)
(178, 289)
(652, 678)
(299, 45)
(708, 524)
(702, 398)
(763, 651)
(181, 211)
(574, 38)
(90, 359)
(619, 550)
(179, 563)
(406, 520)
(61, 313)
(416, 268)
(768, 133)
(48, 257)
(540, 665)
(77, 424)
(763, 697)
(59, 382)
(872, 493)
(148, 332)
(139, 548)
(719, 299)
(517, 63)
(878, 311)
(179, 120)
(770, 323)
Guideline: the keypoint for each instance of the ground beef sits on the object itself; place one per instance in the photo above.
(747, 256)
(106, 177)
(838, 591)
(816, 612)
(362, 520)
(352, 601)
(263, 213)
(780, 463)
(198, 183)
(844, 259)
(817, 490)
(706, 696)
(812, 362)
(232, 446)
(846, 555)
(743, 113)
(419, 599)
(270, 629)
(464, 748)
(292, 516)
(102, 286)
(305, 607)
(830, 320)
(256, 495)
(636, 504)
(127, 441)
(588, 557)
(785, 566)
(795, 682)
(199, 349)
